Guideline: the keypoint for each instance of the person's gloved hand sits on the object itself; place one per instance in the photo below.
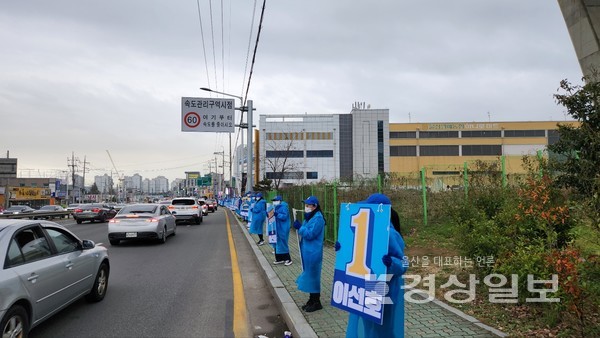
(337, 246)
(387, 260)
(297, 224)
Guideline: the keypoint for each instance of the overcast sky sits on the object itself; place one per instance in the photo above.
(83, 77)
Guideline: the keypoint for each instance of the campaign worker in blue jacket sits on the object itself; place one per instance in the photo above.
(393, 314)
(259, 214)
(282, 228)
(312, 232)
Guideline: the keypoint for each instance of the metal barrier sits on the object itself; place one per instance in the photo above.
(32, 215)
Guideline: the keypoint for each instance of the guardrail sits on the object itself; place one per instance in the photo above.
(32, 215)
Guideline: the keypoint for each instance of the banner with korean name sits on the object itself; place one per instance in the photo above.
(207, 115)
(359, 281)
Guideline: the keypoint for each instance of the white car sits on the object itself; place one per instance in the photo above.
(45, 267)
(187, 209)
(142, 222)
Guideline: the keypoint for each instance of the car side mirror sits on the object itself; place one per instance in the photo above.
(87, 244)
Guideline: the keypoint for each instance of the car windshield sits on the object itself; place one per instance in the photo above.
(138, 209)
(183, 202)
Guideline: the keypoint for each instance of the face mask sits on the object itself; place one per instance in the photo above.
(308, 209)
(276, 203)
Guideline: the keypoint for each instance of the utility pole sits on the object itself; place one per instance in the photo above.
(71, 163)
(84, 170)
(249, 160)
(230, 174)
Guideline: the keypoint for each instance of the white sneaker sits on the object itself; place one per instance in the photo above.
(278, 262)
(260, 243)
(288, 262)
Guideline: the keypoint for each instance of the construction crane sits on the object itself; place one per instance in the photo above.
(119, 175)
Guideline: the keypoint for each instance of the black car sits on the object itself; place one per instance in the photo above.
(93, 212)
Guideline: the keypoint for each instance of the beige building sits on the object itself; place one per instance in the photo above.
(443, 149)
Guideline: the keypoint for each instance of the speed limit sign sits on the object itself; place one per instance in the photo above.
(207, 115)
(191, 119)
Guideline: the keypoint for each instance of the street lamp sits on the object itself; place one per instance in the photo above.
(248, 108)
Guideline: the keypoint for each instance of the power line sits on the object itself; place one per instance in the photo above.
(212, 33)
(203, 45)
(247, 56)
(222, 48)
(254, 55)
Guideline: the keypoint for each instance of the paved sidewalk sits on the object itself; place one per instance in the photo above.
(431, 319)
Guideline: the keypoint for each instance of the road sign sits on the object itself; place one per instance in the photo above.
(207, 115)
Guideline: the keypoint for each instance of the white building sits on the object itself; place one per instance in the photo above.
(104, 183)
(161, 185)
(304, 148)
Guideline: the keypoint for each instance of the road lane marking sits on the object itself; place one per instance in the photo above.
(240, 321)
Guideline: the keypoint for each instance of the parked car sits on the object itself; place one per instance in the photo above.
(18, 209)
(93, 212)
(45, 268)
(142, 221)
(47, 209)
(211, 205)
(187, 209)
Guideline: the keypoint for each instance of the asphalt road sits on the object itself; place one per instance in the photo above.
(182, 288)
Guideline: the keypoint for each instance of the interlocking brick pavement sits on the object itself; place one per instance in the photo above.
(430, 319)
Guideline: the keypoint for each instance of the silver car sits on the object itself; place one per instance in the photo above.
(45, 267)
(49, 209)
(142, 221)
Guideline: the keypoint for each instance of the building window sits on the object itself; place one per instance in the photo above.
(553, 136)
(403, 134)
(483, 149)
(452, 173)
(285, 153)
(403, 150)
(312, 175)
(292, 175)
(481, 133)
(380, 162)
(438, 134)
(438, 150)
(524, 133)
(319, 153)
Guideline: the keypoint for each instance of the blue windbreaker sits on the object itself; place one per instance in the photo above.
(259, 214)
(311, 248)
(393, 314)
(282, 219)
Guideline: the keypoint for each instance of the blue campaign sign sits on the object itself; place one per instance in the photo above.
(359, 280)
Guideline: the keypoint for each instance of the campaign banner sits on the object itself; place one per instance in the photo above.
(250, 207)
(271, 226)
(360, 277)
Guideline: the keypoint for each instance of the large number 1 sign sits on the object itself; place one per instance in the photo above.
(363, 236)
(360, 224)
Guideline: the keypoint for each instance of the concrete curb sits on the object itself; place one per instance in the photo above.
(459, 313)
(288, 308)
